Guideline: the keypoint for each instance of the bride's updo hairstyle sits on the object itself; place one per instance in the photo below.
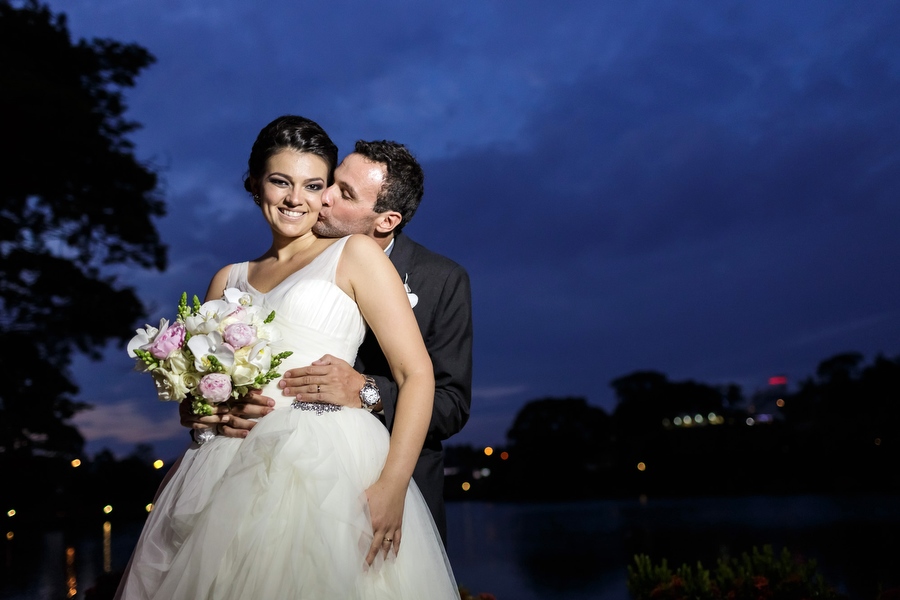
(289, 132)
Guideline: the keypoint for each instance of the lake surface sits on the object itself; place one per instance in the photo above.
(573, 551)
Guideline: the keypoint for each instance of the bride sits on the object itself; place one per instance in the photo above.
(316, 501)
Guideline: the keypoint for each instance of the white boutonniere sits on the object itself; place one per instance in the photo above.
(413, 299)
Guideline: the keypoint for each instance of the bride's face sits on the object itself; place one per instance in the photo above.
(290, 191)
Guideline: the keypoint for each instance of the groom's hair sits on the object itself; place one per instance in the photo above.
(289, 132)
(404, 183)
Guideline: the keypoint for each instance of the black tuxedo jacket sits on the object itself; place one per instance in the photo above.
(444, 314)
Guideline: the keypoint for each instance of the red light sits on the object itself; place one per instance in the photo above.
(778, 380)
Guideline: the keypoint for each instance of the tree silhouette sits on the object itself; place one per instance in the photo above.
(558, 443)
(75, 202)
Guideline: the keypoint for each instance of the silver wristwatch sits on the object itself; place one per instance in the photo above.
(369, 395)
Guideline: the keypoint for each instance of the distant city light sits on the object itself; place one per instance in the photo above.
(466, 486)
(641, 466)
(780, 403)
(677, 421)
(158, 464)
(877, 441)
(11, 512)
(488, 451)
(76, 463)
(10, 535)
(149, 507)
(778, 380)
(71, 579)
(504, 455)
(750, 421)
(485, 472)
(698, 419)
(107, 509)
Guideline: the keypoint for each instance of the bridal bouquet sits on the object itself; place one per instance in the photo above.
(211, 352)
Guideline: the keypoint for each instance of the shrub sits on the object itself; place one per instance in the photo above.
(760, 575)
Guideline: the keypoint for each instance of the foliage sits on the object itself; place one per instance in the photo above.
(758, 575)
(648, 397)
(74, 204)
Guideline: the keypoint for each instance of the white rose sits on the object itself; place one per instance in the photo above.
(169, 386)
(244, 374)
(178, 362)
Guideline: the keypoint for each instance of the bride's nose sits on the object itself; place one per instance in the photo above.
(294, 198)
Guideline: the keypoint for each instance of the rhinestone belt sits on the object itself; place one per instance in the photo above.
(318, 407)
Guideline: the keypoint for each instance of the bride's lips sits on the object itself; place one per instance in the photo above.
(292, 213)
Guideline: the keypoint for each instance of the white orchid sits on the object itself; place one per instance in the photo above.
(209, 317)
(145, 337)
(236, 296)
(210, 345)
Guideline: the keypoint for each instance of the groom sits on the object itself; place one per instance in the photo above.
(376, 191)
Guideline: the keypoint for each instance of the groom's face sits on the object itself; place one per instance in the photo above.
(348, 204)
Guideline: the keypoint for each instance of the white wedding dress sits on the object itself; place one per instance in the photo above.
(283, 513)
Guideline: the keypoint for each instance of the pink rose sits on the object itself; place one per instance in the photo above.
(215, 387)
(168, 340)
(239, 335)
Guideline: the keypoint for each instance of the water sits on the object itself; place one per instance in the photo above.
(574, 551)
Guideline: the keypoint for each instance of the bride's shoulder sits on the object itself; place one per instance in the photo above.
(219, 282)
(359, 243)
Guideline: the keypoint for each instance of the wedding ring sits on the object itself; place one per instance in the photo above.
(388, 540)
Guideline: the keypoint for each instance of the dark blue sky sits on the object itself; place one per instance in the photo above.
(709, 190)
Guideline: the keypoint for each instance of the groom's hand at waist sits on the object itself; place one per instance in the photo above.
(330, 379)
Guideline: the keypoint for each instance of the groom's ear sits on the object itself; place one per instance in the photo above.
(387, 221)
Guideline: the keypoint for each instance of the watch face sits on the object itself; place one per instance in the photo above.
(369, 395)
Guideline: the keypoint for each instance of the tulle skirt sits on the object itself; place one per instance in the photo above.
(286, 518)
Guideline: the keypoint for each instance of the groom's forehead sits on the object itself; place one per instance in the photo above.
(360, 175)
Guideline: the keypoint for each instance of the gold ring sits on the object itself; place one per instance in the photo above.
(388, 540)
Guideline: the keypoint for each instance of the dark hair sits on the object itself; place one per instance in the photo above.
(293, 133)
(404, 184)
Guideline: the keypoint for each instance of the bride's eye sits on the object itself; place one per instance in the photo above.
(315, 187)
(278, 181)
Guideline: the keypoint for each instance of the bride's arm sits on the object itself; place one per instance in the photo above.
(373, 282)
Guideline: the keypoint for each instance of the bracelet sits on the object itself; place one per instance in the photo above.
(204, 435)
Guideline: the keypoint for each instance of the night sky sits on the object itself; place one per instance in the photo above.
(708, 190)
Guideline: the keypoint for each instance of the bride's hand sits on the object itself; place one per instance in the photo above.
(194, 421)
(386, 509)
(252, 406)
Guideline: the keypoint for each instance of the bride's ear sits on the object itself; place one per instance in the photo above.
(386, 222)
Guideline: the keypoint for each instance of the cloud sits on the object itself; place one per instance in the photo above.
(125, 422)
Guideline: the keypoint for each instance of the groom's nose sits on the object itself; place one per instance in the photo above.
(326, 195)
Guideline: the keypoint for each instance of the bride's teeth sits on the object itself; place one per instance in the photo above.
(291, 213)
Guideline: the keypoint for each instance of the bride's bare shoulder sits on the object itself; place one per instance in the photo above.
(218, 283)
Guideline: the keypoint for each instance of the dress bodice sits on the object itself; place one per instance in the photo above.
(314, 316)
